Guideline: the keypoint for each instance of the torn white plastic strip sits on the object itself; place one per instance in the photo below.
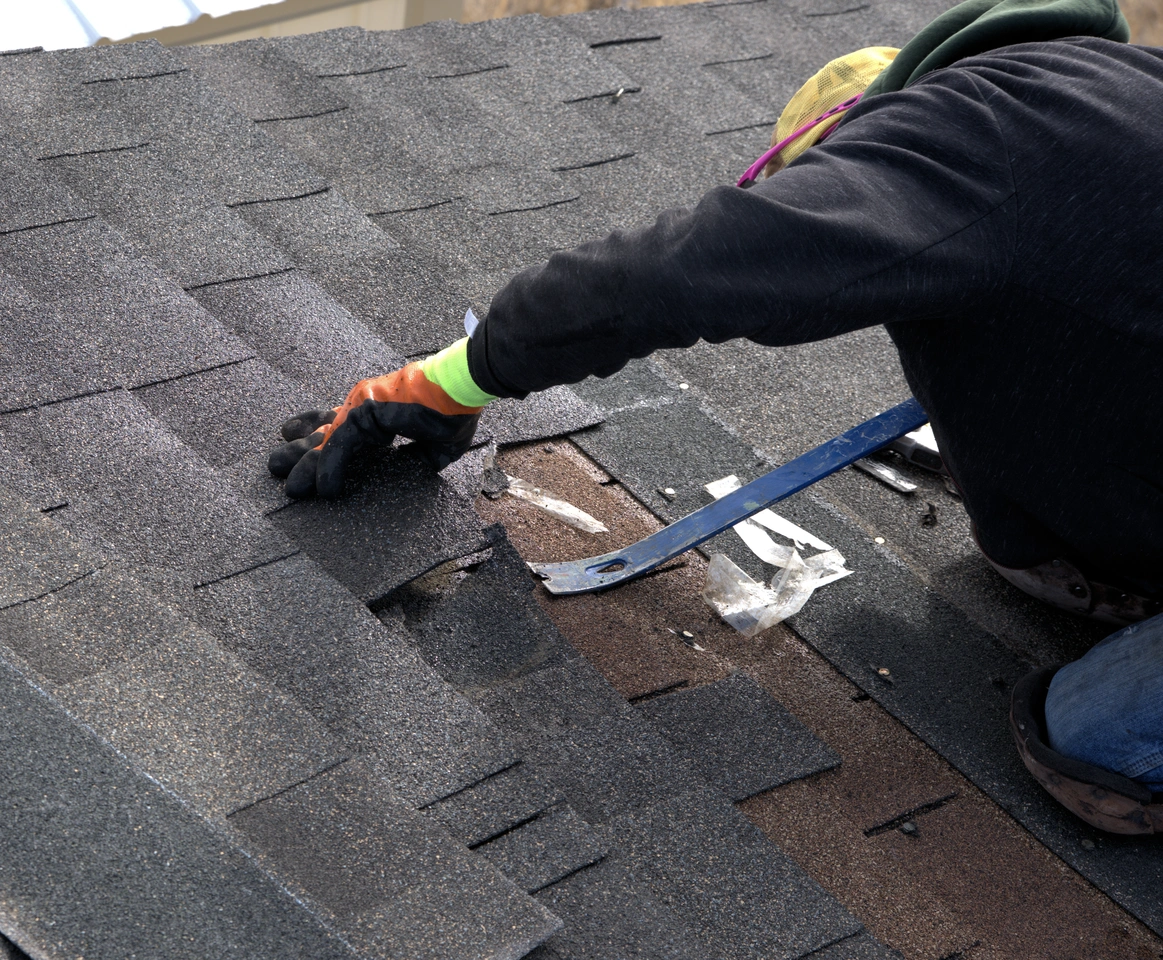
(773, 521)
(563, 511)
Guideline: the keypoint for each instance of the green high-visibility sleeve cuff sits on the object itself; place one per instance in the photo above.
(448, 369)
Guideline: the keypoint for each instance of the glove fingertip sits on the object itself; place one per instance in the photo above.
(329, 478)
(304, 424)
(301, 480)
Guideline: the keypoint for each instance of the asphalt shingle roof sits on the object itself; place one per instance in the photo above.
(201, 707)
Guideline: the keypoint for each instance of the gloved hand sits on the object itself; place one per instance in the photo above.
(322, 444)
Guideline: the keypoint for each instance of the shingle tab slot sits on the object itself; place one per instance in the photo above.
(739, 738)
(392, 884)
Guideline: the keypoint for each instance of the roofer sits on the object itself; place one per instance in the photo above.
(993, 199)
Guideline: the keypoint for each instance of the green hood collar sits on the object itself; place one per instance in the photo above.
(976, 26)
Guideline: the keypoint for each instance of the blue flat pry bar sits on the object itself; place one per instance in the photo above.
(611, 569)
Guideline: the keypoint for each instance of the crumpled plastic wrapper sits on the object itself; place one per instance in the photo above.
(751, 607)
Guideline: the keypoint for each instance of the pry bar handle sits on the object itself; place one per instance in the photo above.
(611, 569)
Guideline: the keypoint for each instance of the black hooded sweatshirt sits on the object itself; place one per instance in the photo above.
(1001, 218)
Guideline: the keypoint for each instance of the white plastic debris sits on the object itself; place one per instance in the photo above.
(766, 518)
(563, 511)
(751, 607)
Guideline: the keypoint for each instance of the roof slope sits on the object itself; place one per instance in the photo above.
(197, 243)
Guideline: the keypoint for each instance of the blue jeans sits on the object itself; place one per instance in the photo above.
(1107, 708)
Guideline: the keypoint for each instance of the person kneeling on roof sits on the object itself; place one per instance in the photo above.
(992, 198)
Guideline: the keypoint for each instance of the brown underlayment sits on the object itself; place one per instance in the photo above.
(969, 882)
(1144, 16)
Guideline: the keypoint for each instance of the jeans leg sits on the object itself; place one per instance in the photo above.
(1107, 708)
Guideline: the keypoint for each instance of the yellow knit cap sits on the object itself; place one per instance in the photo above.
(840, 79)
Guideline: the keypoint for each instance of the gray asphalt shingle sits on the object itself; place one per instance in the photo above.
(711, 865)
(39, 557)
(89, 625)
(390, 884)
(86, 331)
(149, 497)
(740, 738)
(203, 725)
(104, 862)
(364, 680)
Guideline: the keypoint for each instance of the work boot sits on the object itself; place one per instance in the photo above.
(1104, 799)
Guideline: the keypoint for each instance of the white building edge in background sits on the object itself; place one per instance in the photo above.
(56, 24)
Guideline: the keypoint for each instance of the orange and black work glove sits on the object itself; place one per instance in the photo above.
(423, 402)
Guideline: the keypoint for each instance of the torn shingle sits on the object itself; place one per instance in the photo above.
(550, 413)
(492, 628)
(740, 739)
(396, 520)
(203, 724)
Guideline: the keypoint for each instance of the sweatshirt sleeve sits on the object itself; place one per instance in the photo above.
(906, 212)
